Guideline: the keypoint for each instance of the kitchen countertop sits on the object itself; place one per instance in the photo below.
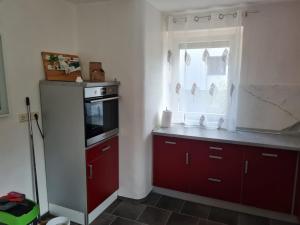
(276, 141)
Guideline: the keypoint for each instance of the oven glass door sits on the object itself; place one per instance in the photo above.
(101, 116)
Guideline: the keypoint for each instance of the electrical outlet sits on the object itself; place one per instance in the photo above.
(24, 118)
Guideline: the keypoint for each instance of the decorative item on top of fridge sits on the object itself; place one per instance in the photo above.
(97, 73)
(61, 67)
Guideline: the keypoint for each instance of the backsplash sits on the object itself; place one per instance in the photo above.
(270, 107)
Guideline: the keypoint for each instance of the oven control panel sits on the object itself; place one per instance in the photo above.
(94, 92)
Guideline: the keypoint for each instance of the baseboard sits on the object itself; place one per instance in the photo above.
(227, 205)
(74, 216)
(79, 217)
(100, 209)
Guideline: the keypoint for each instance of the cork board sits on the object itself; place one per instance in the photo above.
(61, 67)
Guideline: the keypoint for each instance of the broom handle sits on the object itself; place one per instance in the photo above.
(32, 152)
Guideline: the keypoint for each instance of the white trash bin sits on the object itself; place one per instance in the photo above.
(59, 221)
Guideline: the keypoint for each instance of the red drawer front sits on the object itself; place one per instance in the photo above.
(99, 149)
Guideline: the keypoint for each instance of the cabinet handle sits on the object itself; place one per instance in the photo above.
(170, 142)
(215, 148)
(215, 157)
(187, 158)
(106, 148)
(90, 171)
(246, 167)
(269, 155)
(214, 180)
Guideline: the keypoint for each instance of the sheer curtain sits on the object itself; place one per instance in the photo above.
(203, 68)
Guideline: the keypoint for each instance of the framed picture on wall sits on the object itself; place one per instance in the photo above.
(3, 92)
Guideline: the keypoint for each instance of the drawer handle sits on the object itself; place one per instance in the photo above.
(269, 155)
(106, 148)
(215, 148)
(187, 158)
(215, 180)
(90, 171)
(170, 142)
(215, 157)
(246, 167)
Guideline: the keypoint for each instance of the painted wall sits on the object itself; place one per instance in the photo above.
(126, 36)
(27, 28)
(270, 76)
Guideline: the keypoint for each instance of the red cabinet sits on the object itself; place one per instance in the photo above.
(102, 163)
(169, 163)
(254, 176)
(216, 170)
(269, 179)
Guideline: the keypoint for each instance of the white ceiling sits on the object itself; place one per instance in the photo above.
(175, 5)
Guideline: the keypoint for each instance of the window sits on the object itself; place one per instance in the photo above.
(204, 76)
(3, 97)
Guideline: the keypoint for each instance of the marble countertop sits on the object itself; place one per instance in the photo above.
(276, 141)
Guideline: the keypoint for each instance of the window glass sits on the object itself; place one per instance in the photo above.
(204, 72)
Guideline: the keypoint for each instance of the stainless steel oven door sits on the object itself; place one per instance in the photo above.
(101, 119)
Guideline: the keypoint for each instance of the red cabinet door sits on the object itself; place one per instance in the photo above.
(269, 179)
(169, 163)
(102, 172)
(216, 170)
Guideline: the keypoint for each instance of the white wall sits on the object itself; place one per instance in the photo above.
(126, 36)
(27, 28)
(153, 83)
(270, 76)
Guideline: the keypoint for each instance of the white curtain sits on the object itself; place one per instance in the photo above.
(203, 68)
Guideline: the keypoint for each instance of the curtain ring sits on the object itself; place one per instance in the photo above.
(221, 16)
(196, 18)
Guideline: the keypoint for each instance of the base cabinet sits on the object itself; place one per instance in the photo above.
(102, 166)
(215, 171)
(170, 170)
(254, 176)
(269, 179)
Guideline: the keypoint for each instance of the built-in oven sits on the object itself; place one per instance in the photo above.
(101, 113)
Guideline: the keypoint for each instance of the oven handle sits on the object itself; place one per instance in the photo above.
(104, 99)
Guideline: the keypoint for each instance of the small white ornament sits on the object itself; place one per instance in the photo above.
(79, 79)
(220, 123)
(202, 120)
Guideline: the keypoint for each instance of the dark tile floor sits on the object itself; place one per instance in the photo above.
(162, 210)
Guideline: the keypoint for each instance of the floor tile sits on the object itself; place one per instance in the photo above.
(169, 203)
(179, 219)
(245, 219)
(209, 222)
(129, 210)
(152, 199)
(104, 219)
(113, 206)
(123, 221)
(277, 222)
(195, 209)
(223, 216)
(154, 216)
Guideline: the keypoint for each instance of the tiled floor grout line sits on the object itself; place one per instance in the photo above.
(160, 196)
(145, 207)
(169, 216)
(182, 206)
